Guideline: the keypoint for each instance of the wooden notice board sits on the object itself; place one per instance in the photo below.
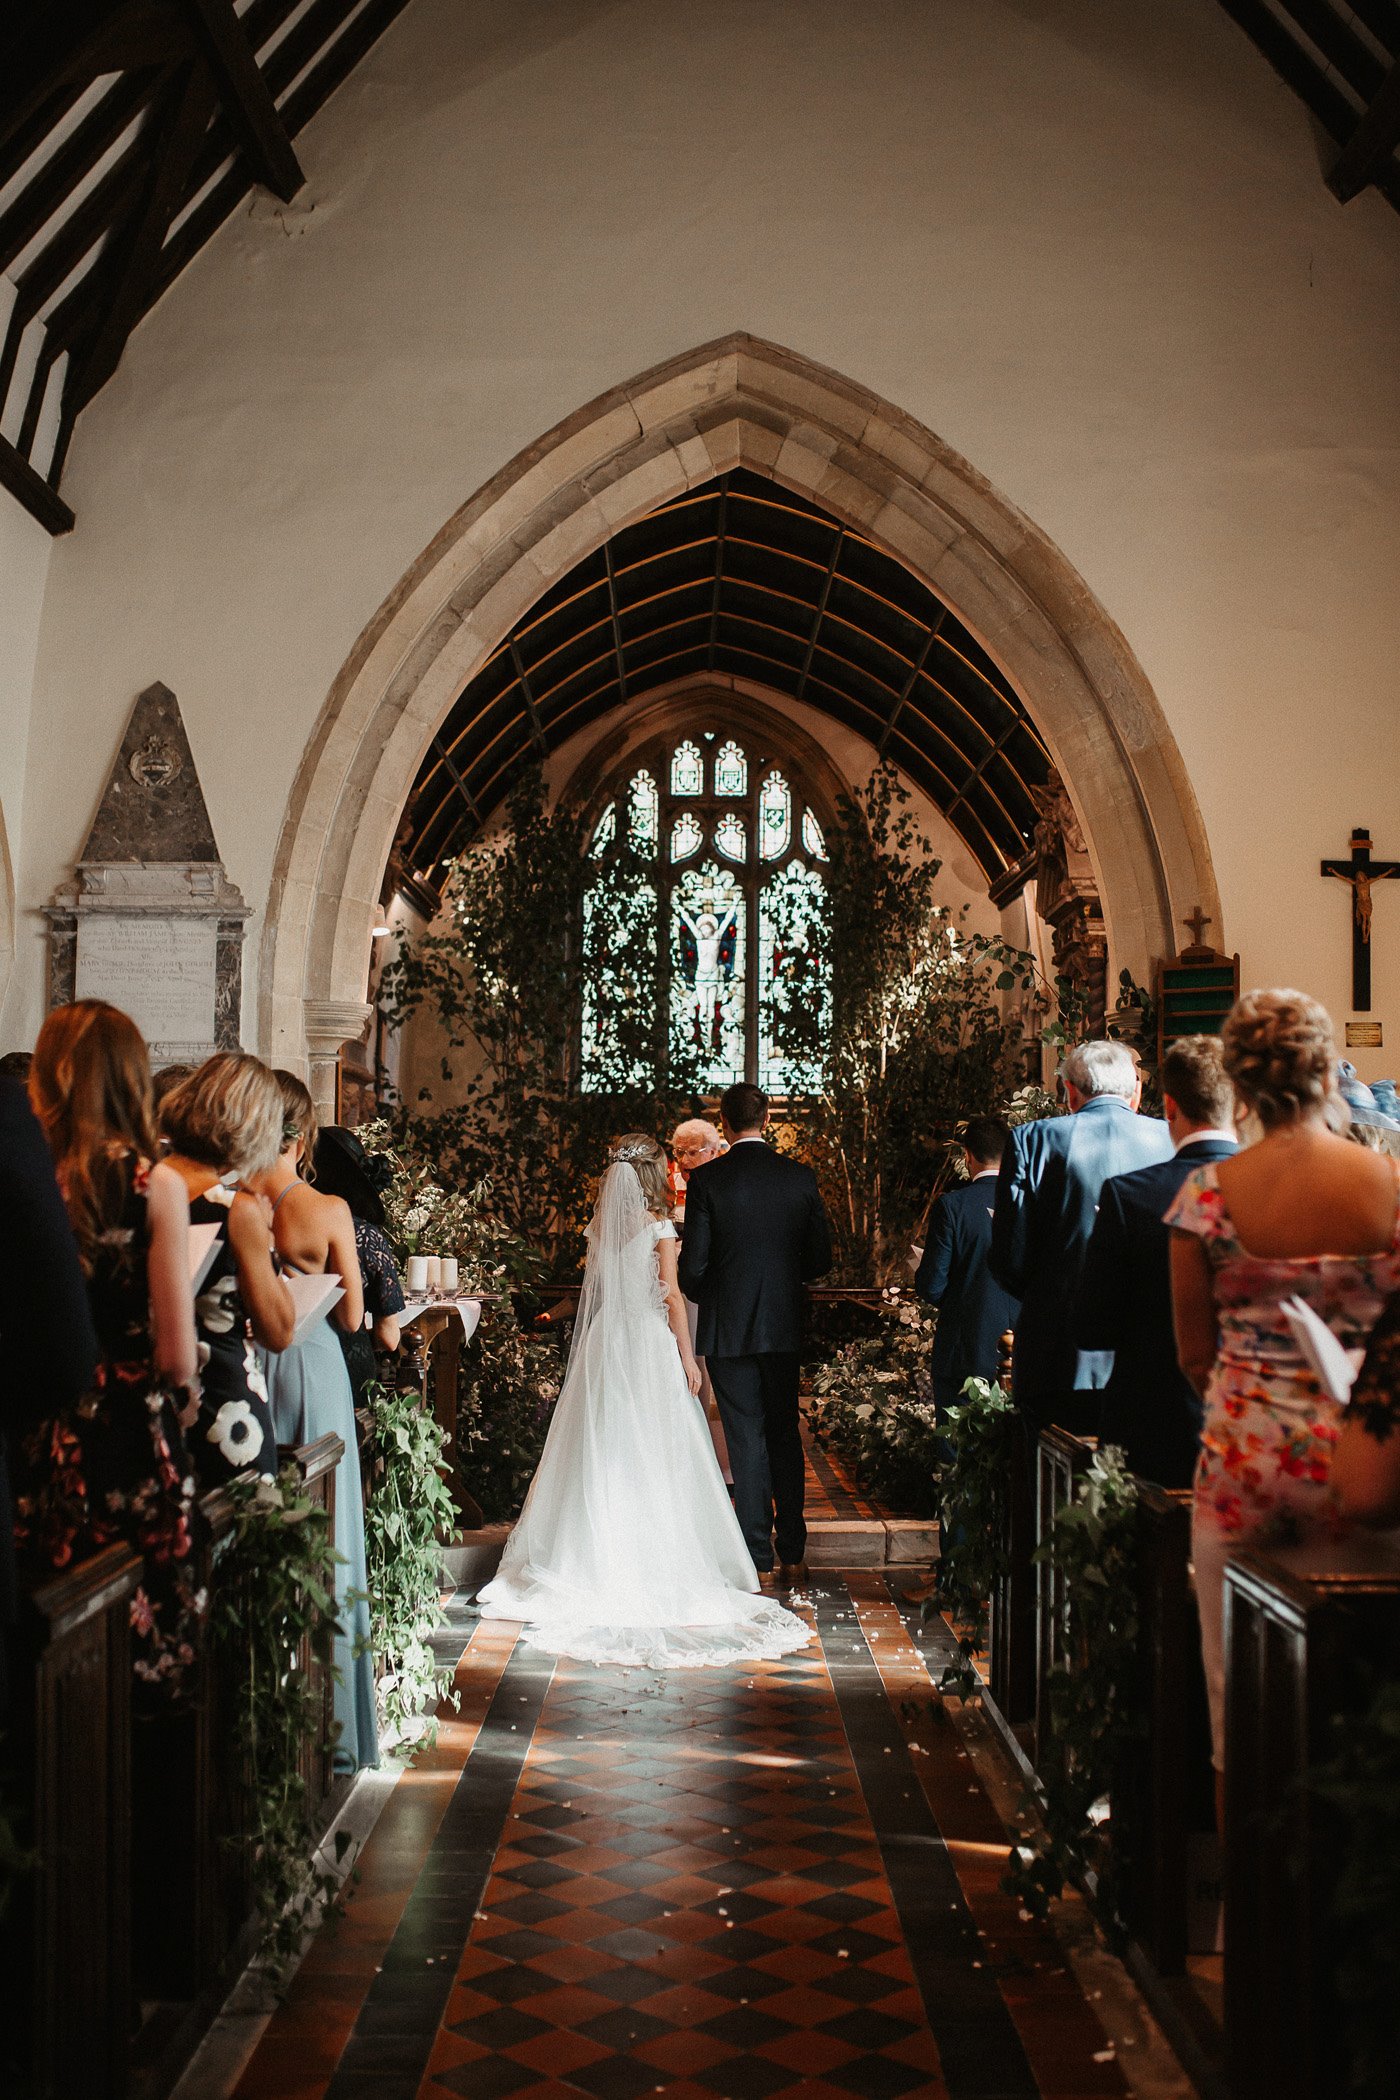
(1194, 994)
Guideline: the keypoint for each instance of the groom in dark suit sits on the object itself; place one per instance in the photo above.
(755, 1233)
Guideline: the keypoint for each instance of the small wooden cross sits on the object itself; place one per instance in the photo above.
(1198, 922)
(1360, 872)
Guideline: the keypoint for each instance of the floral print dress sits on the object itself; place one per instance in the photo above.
(115, 1467)
(234, 1431)
(1266, 1449)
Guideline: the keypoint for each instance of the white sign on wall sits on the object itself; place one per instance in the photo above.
(160, 971)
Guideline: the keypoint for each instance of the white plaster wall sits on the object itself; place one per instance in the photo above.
(24, 564)
(1086, 241)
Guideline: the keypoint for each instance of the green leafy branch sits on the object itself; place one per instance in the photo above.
(980, 1448)
(409, 1510)
(1095, 1709)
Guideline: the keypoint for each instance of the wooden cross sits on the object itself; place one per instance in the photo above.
(1198, 922)
(1360, 872)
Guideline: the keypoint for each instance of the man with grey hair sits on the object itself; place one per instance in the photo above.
(1047, 1199)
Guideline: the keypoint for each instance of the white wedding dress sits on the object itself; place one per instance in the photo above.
(627, 1549)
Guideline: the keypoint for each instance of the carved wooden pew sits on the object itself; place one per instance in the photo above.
(1011, 1607)
(315, 1466)
(1305, 1629)
(1060, 1459)
(70, 1935)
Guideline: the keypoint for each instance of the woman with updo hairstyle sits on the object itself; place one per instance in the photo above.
(309, 1390)
(1298, 1212)
(223, 1124)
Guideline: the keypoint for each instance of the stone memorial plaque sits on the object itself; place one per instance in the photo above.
(160, 971)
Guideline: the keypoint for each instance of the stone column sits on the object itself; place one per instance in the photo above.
(329, 1024)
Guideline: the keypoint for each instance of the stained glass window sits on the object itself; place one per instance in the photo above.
(709, 971)
(789, 910)
(731, 771)
(687, 770)
(643, 812)
(718, 942)
(774, 817)
(686, 837)
(731, 836)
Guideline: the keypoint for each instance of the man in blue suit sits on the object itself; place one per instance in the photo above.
(1047, 1197)
(1125, 1297)
(974, 1311)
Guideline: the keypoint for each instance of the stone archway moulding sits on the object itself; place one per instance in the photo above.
(738, 402)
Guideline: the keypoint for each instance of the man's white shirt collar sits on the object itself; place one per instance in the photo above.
(986, 1171)
(1215, 1137)
(753, 1138)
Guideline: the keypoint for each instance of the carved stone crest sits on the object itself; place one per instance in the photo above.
(155, 764)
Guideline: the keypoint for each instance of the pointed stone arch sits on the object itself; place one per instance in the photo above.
(738, 402)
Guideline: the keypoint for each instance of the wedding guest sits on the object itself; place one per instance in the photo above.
(345, 1169)
(48, 1349)
(15, 1065)
(1047, 1196)
(114, 1466)
(223, 1124)
(693, 1144)
(1150, 1407)
(309, 1389)
(1301, 1213)
(974, 1311)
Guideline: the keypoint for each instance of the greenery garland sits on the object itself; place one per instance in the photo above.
(276, 1588)
(1360, 1784)
(409, 1508)
(873, 1406)
(510, 1381)
(979, 1449)
(1095, 1712)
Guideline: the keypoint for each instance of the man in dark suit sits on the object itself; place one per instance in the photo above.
(974, 1311)
(755, 1233)
(1047, 1195)
(1149, 1406)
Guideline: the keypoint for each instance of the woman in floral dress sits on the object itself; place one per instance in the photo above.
(224, 1124)
(115, 1467)
(1300, 1213)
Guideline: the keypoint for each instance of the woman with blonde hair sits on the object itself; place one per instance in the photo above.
(115, 1466)
(223, 1123)
(1300, 1212)
(309, 1391)
(627, 1549)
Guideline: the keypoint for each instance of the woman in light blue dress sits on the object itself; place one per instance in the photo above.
(309, 1390)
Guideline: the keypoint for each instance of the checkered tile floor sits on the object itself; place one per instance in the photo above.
(715, 1883)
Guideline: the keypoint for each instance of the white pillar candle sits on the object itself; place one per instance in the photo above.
(434, 1273)
(449, 1272)
(418, 1272)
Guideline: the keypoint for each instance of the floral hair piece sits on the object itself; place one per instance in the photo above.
(638, 1148)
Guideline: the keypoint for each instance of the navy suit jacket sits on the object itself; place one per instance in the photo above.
(1047, 1195)
(755, 1232)
(974, 1311)
(1125, 1304)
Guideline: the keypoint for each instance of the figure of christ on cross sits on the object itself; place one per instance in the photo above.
(1360, 873)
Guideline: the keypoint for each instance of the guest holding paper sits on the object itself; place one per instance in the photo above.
(115, 1466)
(1366, 1463)
(223, 1124)
(1299, 1213)
(345, 1169)
(309, 1388)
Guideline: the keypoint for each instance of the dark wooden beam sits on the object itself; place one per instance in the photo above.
(1371, 144)
(127, 276)
(616, 622)
(527, 691)
(838, 542)
(719, 573)
(56, 48)
(31, 489)
(246, 97)
(1323, 97)
(71, 163)
(915, 672)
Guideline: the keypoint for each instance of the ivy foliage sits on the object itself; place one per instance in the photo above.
(408, 1511)
(898, 1023)
(276, 1588)
(421, 1216)
(537, 926)
(873, 1406)
(511, 1377)
(1096, 1711)
(1359, 1788)
(979, 1450)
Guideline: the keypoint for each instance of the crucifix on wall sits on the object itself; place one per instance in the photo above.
(1360, 873)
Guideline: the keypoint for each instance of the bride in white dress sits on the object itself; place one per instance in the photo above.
(627, 1549)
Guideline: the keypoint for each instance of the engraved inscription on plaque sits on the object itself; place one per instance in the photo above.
(160, 971)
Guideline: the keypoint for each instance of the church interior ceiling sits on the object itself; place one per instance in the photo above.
(129, 130)
(740, 578)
